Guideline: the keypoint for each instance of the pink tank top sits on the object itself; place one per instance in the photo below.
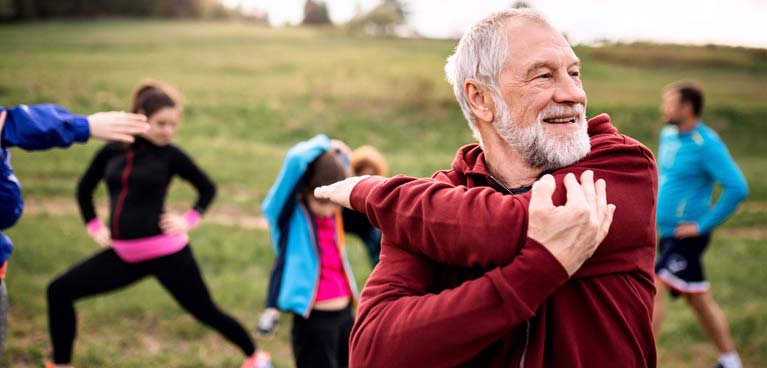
(333, 283)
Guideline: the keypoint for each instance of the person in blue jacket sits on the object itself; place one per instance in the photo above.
(691, 159)
(312, 277)
(39, 127)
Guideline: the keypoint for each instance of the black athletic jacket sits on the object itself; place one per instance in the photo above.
(137, 177)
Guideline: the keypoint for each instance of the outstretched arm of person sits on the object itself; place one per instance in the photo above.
(39, 127)
(444, 222)
(450, 224)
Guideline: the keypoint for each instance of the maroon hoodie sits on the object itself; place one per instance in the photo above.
(459, 282)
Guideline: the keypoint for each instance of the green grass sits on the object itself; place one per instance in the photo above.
(253, 92)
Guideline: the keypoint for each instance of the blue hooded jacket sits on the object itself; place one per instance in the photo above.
(35, 127)
(297, 267)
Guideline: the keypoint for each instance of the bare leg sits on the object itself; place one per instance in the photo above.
(658, 311)
(713, 321)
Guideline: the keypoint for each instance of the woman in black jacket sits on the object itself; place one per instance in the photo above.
(142, 240)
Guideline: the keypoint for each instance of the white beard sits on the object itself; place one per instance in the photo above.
(541, 150)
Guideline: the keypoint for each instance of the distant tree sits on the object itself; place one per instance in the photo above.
(520, 5)
(315, 13)
(32, 9)
(7, 9)
(383, 19)
(398, 8)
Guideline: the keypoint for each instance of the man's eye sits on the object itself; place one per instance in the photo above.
(544, 76)
(576, 73)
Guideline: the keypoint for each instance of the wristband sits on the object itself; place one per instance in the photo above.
(192, 218)
(94, 226)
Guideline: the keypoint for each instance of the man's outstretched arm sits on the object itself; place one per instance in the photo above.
(449, 224)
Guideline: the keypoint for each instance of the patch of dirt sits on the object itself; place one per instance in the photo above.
(750, 233)
(754, 207)
(220, 215)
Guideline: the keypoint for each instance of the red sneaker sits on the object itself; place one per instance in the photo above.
(260, 359)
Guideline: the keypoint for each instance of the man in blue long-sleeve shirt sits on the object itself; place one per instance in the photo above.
(39, 127)
(691, 159)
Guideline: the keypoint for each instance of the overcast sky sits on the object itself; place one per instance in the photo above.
(731, 22)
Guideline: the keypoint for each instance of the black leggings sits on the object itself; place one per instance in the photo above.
(178, 273)
(322, 340)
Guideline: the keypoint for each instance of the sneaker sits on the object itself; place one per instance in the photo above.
(267, 323)
(50, 364)
(260, 359)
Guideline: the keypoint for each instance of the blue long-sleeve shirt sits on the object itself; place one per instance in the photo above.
(689, 165)
(35, 127)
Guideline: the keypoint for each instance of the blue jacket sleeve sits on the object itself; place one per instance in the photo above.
(39, 127)
(720, 165)
(6, 247)
(296, 162)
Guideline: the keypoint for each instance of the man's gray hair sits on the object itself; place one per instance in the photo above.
(482, 54)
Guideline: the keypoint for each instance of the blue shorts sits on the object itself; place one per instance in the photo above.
(679, 264)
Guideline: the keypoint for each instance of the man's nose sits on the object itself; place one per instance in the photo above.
(569, 90)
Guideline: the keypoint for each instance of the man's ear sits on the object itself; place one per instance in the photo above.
(480, 100)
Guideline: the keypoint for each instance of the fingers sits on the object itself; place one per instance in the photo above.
(340, 192)
(120, 138)
(575, 195)
(105, 242)
(123, 116)
(166, 222)
(172, 224)
(587, 185)
(601, 190)
(171, 228)
(130, 124)
(117, 126)
(324, 192)
(103, 238)
(140, 118)
(542, 191)
(606, 222)
(130, 127)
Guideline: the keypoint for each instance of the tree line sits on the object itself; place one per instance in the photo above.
(43, 9)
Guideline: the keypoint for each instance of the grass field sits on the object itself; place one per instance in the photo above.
(251, 93)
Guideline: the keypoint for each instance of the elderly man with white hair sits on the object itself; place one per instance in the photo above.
(479, 270)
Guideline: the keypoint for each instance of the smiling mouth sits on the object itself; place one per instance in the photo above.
(561, 120)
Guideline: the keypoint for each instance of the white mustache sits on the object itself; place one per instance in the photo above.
(559, 110)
